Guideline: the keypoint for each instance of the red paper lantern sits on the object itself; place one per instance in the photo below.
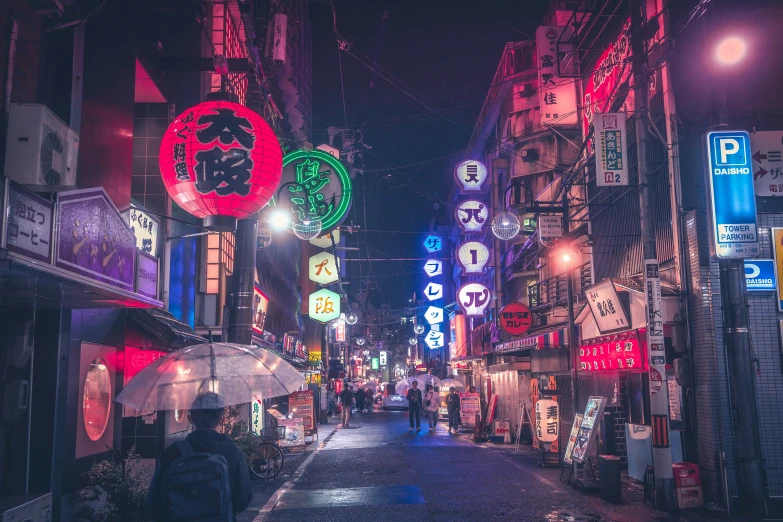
(220, 161)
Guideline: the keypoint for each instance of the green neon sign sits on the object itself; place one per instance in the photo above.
(317, 187)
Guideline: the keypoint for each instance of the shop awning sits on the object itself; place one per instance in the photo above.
(163, 327)
(548, 337)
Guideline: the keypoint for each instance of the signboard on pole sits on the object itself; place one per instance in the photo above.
(655, 346)
(550, 227)
(515, 318)
(760, 275)
(609, 314)
(767, 154)
(586, 434)
(382, 357)
(732, 196)
(557, 95)
(611, 146)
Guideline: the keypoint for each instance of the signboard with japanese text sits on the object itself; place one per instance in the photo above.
(294, 432)
(433, 291)
(471, 215)
(382, 357)
(473, 299)
(324, 305)
(434, 339)
(147, 275)
(557, 95)
(597, 355)
(767, 155)
(433, 267)
(572, 438)
(760, 275)
(93, 240)
(611, 147)
(655, 339)
(547, 420)
(433, 315)
(515, 318)
(777, 250)
(550, 227)
(732, 195)
(471, 175)
(322, 268)
(610, 315)
(145, 227)
(29, 224)
(340, 330)
(261, 304)
(325, 241)
(593, 412)
(257, 418)
(473, 257)
(433, 244)
(604, 86)
(470, 405)
(300, 405)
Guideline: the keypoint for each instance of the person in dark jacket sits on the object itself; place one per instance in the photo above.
(346, 401)
(414, 405)
(453, 407)
(360, 400)
(204, 439)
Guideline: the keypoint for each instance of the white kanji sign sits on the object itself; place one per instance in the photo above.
(322, 268)
(324, 305)
(433, 267)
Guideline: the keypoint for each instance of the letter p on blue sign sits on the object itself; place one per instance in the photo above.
(730, 150)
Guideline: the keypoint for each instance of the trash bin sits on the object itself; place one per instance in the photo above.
(609, 473)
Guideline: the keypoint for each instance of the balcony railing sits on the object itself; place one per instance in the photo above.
(554, 291)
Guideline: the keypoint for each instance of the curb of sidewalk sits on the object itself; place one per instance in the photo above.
(277, 495)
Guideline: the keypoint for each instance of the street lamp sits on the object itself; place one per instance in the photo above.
(280, 219)
(731, 50)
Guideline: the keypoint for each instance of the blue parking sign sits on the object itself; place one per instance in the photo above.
(732, 197)
(760, 275)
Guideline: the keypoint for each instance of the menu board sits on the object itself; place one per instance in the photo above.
(294, 432)
(572, 438)
(300, 405)
(586, 433)
(470, 404)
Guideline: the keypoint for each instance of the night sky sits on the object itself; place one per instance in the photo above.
(445, 52)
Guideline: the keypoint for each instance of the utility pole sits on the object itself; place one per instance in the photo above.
(240, 318)
(659, 405)
(498, 165)
(573, 337)
(748, 461)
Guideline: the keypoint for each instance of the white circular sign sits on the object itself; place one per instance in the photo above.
(471, 175)
(473, 257)
(473, 299)
(472, 215)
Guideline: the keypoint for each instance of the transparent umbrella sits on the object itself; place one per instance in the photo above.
(404, 385)
(239, 374)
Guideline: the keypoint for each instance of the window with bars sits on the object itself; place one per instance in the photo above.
(226, 41)
(220, 251)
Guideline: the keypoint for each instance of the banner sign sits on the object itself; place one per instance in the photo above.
(611, 146)
(550, 227)
(732, 196)
(624, 354)
(655, 346)
(29, 224)
(760, 275)
(609, 314)
(557, 95)
(593, 412)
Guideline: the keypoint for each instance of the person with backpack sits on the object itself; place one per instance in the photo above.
(203, 477)
(414, 405)
(360, 400)
(453, 407)
(346, 402)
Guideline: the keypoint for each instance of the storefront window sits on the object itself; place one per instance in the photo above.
(96, 403)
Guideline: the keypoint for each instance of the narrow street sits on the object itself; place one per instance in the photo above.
(377, 464)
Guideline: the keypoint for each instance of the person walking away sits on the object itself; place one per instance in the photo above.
(414, 405)
(346, 402)
(453, 407)
(360, 400)
(431, 405)
(203, 477)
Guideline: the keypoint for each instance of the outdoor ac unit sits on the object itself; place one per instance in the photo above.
(31, 508)
(41, 150)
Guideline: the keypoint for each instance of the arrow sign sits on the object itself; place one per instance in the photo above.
(760, 173)
(758, 156)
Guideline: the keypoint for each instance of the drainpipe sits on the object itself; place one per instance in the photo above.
(9, 78)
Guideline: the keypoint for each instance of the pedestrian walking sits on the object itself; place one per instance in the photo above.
(360, 396)
(346, 402)
(414, 405)
(205, 476)
(453, 407)
(431, 405)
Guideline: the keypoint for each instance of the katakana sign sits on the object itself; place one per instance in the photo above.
(433, 244)
(325, 241)
(472, 215)
(433, 315)
(473, 257)
(433, 291)
(316, 187)
(470, 174)
(433, 267)
(322, 269)
(515, 318)
(434, 339)
(767, 155)
(473, 299)
(611, 144)
(324, 305)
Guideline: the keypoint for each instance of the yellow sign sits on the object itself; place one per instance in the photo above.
(777, 249)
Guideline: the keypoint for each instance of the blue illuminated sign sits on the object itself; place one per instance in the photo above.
(433, 244)
(760, 275)
(732, 196)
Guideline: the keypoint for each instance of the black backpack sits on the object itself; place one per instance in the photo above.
(196, 486)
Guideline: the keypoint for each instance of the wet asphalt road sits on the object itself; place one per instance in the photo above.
(376, 470)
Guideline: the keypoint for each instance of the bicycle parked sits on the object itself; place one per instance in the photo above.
(268, 459)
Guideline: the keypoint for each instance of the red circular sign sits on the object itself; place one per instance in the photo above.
(220, 158)
(515, 318)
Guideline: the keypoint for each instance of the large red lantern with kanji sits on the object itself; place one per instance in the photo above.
(220, 161)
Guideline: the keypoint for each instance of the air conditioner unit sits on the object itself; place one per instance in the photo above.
(41, 150)
(31, 508)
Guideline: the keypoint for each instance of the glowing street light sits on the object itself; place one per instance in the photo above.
(731, 50)
(279, 219)
(566, 257)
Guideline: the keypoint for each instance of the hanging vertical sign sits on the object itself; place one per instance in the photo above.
(547, 420)
(433, 267)
(611, 144)
(473, 298)
(471, 216)
(433, 244)
(471, 175)
(732, 195)
(557, 95)
(433, 291)
(655, 346)
(473, 257)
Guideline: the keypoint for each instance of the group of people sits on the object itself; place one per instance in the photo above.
(430, 403)
(346, 398)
